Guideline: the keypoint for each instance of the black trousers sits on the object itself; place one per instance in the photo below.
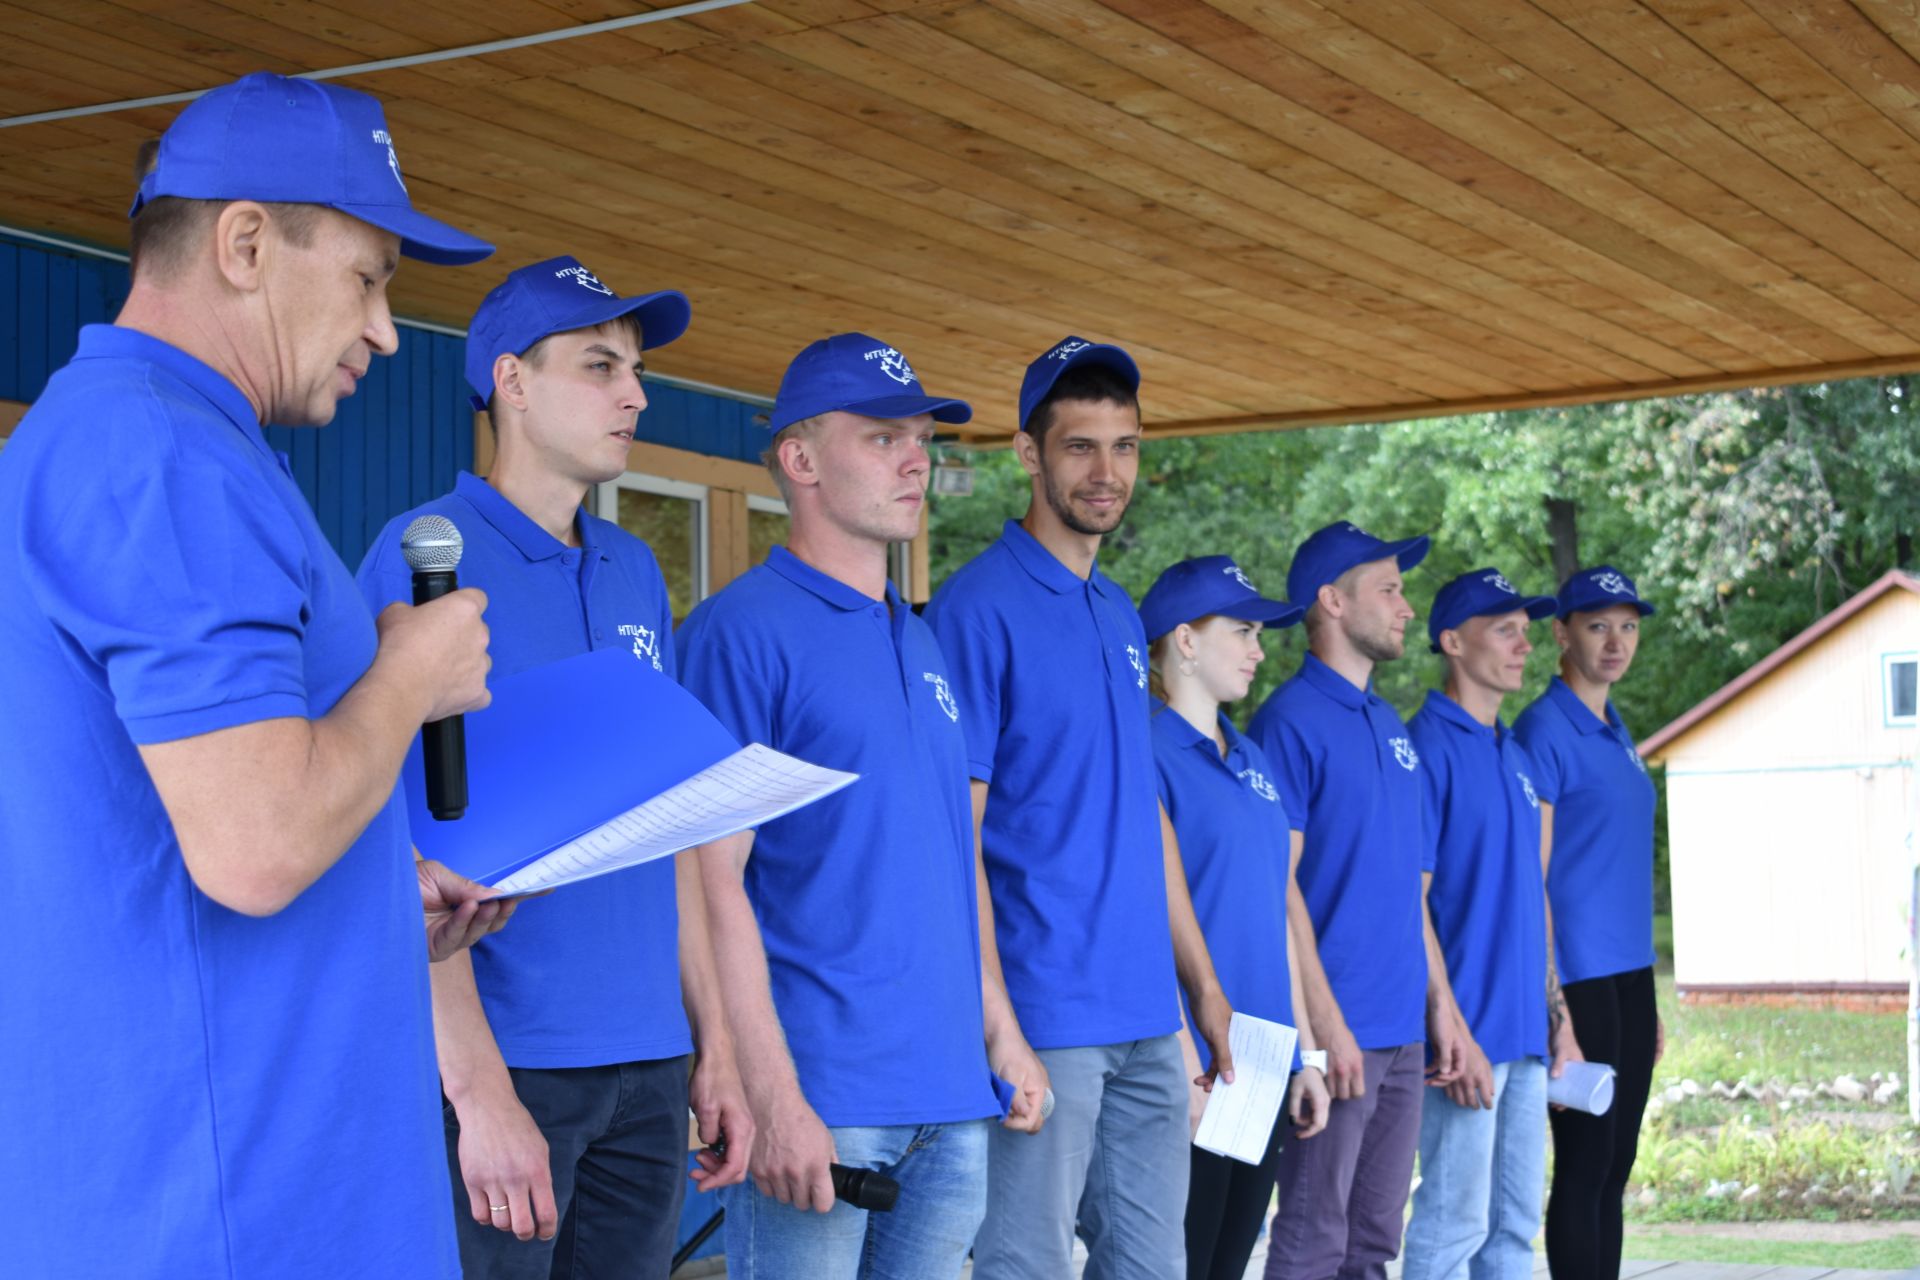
(1614, 1020)
(1226, 1203)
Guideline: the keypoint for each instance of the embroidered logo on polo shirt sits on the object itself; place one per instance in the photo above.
(384, 139)
(1067, 350)
(1634, 756)
(1403, 752)
(1611, 583)
(1526, 785)
(1233, 571)
(646, 643)
(1498, 581)
(584, 278)
(893, 364)
(943, 695)
(1261, 787)
(1133, 656)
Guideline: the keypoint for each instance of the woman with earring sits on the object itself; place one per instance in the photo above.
(1596, 850)
(1203, 620)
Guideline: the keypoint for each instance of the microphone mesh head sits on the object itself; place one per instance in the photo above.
(431, 542)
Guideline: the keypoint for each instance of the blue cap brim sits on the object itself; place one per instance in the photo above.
(907, 407)
(422, 238)
(663, 316)
(1594, 606)
(1407, 553)
(1537, 607)
(1273, 613)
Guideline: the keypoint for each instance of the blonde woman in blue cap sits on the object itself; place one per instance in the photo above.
(1596, 818)
(1203, 620)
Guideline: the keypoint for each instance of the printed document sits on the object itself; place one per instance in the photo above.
(1239, 1118)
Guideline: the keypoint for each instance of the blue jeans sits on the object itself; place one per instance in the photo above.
(942, 1172)
(1482, 1175)
(1113, 1156)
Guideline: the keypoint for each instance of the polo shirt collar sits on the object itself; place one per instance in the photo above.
(116, 342)
(1046, 567)
(828, 588)
(1457, 716)
(1184, 734)
(1577, 712)
(1333, 684)
(515, 525)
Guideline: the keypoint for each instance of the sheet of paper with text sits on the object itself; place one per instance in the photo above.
(1239, 1118)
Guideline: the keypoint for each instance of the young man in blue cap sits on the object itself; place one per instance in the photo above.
(218, 1053)
(1349, 778)
(1597, 816)
(563, 1045)
(1483, 1146)
(1088, 897)
(852, 924)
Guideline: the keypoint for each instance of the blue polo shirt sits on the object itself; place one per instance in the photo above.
(1051, 674)
(1235, 843)
(590, 975)
(181, 1081)
(1488, 903)
(1349, 776)
(865, 899)
(1600, 878)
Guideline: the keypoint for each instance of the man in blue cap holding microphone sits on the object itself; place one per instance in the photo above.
(1349, 780)
(1483, 1143)
(563, 1043)
(863, 990)
(218, 1050)
(1088, 896)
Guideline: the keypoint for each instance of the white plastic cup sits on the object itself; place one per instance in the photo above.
(1583, 1086)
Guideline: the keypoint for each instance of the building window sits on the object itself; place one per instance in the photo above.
(767, 526)
(1900, 678)
(670, 516)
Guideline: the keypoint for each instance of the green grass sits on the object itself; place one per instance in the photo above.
(1889, 1253)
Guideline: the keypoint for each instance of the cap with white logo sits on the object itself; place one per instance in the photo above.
(1600, 587)
(1066, 354)
(560, 296)
(1327, 553)
(288, 140)
(855, 373)
(1479, 594)
(1204, 586)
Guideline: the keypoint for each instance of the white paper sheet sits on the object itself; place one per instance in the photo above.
(1239, 1118)
(753, 785)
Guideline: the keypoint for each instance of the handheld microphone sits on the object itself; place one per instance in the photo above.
(432, 546)
(864, 1188)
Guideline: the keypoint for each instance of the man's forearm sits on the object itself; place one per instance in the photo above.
(699, 983)
(740, 967)
(1440, 1001)
(1322, 1008)
(470, 1061)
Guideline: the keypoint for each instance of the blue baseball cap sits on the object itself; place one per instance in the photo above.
(1064, 355)
(1330, 552)
(1600, 587)
(855, 373)
(294, 141)
(1204, 586)
(559, 296)
(1475, 595)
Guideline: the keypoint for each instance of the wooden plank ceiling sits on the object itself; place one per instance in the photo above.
(1292, 212)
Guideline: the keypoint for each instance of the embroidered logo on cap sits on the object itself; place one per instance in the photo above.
(1233, 571)
(584, 278)
(1133, 656)
(646, 643)
(943, 695)
(1068, 349)
(893, 364)
(1403, 752)
(1526, 785)
(382, 138)
(1498, 581)
(1261, 787)
(1611, 583)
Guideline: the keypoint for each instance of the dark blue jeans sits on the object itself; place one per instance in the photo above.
(617, 1143)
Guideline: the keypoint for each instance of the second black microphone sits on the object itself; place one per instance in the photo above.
(432, 546)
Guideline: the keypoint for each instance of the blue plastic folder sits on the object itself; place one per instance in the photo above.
(563, 748)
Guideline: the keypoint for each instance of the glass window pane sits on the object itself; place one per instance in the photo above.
(1901, 688)
(671, 526)
(765, 531)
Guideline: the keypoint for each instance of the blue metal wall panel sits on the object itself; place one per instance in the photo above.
(397, 442)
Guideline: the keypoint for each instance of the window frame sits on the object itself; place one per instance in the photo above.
(1888, 660)
(606, 502)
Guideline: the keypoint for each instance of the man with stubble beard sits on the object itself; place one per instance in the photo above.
(1349, 779)
(1083, 883)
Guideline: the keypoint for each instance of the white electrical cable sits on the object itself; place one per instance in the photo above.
(411, 60)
